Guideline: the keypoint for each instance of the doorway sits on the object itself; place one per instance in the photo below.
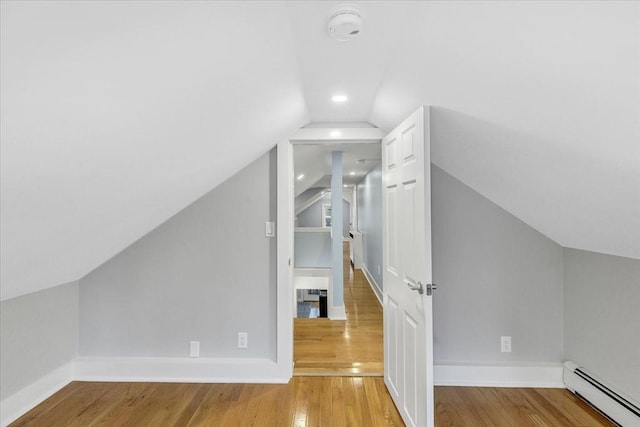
(354, 344)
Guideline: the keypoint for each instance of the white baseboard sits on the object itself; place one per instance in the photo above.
(372, 283)
(544, 375)
(14, 406)
(337, 312)
(193, 370)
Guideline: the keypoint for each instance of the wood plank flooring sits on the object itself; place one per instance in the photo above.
(351, 347)
(488, 406)
(355, 396)
(305, 401)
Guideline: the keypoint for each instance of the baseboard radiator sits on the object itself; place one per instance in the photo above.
(603, 397)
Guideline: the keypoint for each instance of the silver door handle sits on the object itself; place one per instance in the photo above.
(417, 287)
(420, 287)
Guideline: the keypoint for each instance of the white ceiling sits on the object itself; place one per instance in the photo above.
(116, 115)
(313, 161)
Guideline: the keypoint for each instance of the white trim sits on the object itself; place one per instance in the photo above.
(312, 271)
(16, 405)
(546, 375)
(286, 211)
(284, 260)
(372, 282)
(337, 312)
(172, 369)
(312, 230)
(351, 135)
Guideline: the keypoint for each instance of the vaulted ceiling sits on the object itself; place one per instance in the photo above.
(116, 115)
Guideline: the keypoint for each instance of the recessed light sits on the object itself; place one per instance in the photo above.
(300, 176)
(345, 185)
(339, 98)
(335, 134)
(352, 173)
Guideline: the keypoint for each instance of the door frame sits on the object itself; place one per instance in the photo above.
(285, 226)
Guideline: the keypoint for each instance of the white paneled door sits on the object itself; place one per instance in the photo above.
(408, 334)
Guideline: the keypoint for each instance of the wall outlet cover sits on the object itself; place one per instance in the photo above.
(194, 349)
(243, 340)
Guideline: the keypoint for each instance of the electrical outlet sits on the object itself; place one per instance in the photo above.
(243, 340)
(505, 344)
(194, 349)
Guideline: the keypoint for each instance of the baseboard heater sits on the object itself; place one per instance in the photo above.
(618, 408)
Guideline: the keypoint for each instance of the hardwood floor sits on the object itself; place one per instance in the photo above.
(487, 406)
(305, 401)
(355, 396)
(351, 347)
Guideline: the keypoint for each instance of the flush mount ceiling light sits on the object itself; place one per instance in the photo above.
(338, 99)
(345, 24)
(300, 176)
(335, 134)
(352, 173)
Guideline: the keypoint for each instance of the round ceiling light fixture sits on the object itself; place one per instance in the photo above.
(345, 24)
(339, 99)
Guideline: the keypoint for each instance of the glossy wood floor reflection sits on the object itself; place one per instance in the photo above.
(351, 347)
(487, 406)
(305, 401)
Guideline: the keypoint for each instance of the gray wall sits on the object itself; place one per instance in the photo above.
(312, 216)
(370, 222)
(496, 276)
(38, 334)
(346, 224)
(312, 249)
(306, 195)
(204, 275)
(602, 317)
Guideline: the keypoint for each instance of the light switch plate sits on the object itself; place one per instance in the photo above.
(270, 229)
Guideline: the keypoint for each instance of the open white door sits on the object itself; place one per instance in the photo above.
(408, 333)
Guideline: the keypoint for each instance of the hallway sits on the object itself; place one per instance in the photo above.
(351, 347)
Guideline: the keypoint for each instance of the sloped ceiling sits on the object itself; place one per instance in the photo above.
(314, 164)
(116, 115)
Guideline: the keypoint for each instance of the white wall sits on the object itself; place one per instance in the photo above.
(496, 276)
(602, 316)
(204, 275)
(39, 335)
